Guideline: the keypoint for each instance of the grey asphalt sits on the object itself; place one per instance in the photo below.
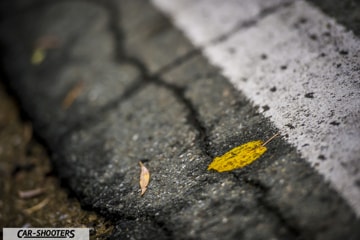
(149, 95)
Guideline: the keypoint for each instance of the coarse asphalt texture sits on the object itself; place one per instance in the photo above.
(297, 65)
(148, 95)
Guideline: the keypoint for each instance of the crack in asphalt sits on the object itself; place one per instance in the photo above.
(251, 22)
(139, 83)
(143, 80)
(193, 117)
(294, 231)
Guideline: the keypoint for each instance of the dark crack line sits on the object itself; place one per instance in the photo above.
(251, 22)
(145, 78)
(261, 199)
(179, 61)
(140, 83)
(119, 37)
(192, 116)
(121, 54)
(178, 92)
(91, 119)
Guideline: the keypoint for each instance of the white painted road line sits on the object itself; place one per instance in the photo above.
(211, 19)
(298, 65)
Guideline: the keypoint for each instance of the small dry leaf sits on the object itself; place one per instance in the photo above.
(38, 56)
(72, 95)
(41, 46)
(240, 156)
(144, 178)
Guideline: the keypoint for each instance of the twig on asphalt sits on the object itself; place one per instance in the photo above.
(270, 139)
(31, 193)
(37, 207)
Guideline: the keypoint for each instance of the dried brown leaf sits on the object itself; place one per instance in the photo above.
(72, 95)
(144, 178)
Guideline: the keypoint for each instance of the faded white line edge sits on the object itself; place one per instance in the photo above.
(310, 78)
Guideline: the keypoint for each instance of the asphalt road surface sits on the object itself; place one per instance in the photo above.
(110, 83)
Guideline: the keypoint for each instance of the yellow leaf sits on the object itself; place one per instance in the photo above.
(38, 56)
(144, 178)
(240, 156)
